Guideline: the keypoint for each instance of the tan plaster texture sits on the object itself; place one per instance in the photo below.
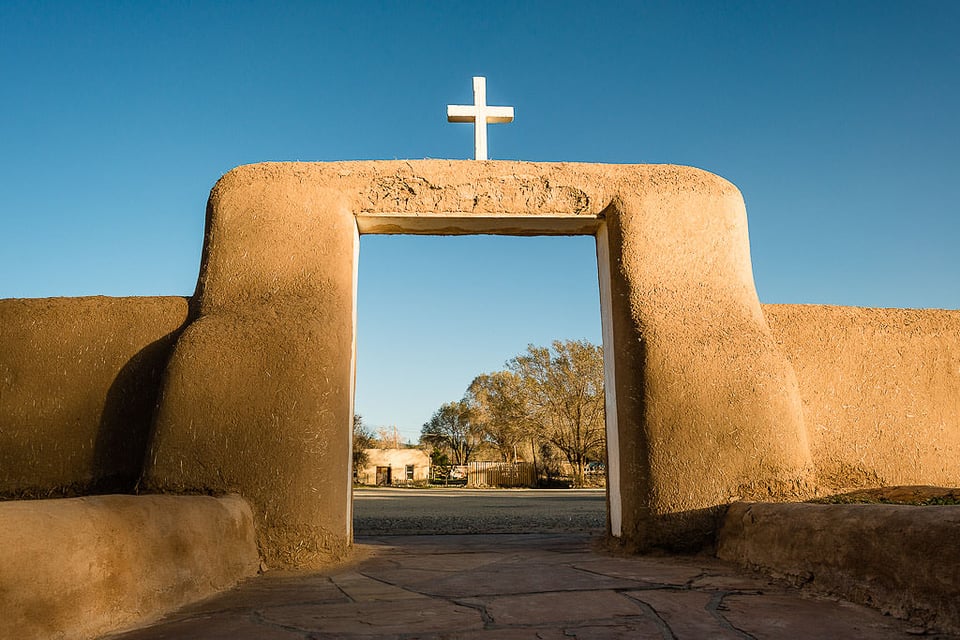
(79, 379)
(257, 397)
(900, 559)
(81, 567)
(708, 407)
(880, 391)
(397, 460)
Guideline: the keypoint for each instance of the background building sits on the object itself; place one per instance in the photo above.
(394, 466)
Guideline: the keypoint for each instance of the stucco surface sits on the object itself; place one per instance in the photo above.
(708, 407)
(78, 568)
(880, 391)
(257, 397)
(710, 404)
(900, 559)
(250, 389)
(79, 379)
(258, 394)
(397, 460)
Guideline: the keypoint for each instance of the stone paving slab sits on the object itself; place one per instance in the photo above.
(680, 572)
(360, 588)
(275, 588)
(515, 587)
(785, 616)
(571, 607)
(690, 615)
(217, 626)
(446, 562)
(516, 578)
(381, 618)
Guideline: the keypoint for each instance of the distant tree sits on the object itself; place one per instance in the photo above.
(362, 439)
(550, 398)
(563, 388)
(550, 463)
(440, 465)
(388, 438)
(451, 428)
(499, 410)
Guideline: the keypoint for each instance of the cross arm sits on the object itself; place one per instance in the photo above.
(461, 113)
(499, 114)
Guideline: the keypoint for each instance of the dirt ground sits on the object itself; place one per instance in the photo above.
(388, 511)
(915, 495)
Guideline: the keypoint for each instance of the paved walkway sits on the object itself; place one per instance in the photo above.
(499, 587)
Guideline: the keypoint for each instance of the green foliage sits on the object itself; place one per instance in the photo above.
(550, 466)
(440, 466)
(439, 458)
(453, 430)
(363, 438)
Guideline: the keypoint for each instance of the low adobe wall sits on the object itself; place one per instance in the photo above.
(81, 567)
(900, 559)
(79, 379)
(880, 391)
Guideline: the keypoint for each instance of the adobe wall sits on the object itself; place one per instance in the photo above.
(708, 409)
(901, 559)
(880, 391)
(706, 404)
(397, 460)
(81, 567)
(79, 379)
(258, 394)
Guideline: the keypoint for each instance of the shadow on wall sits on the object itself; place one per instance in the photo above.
(79, 384)
(690, 531)
(126, 424)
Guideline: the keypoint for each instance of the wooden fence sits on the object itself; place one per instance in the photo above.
(501, 474)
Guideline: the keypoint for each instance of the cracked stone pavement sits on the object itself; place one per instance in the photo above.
(491, 587)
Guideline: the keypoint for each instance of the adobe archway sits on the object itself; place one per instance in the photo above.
(702, 408)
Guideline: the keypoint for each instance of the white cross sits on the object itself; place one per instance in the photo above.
(480, 114)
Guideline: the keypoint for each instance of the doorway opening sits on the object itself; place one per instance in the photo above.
(456, 338)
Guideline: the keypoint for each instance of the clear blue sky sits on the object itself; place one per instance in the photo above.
(837, 120)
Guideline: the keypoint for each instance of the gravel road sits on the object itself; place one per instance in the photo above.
(383, 511)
